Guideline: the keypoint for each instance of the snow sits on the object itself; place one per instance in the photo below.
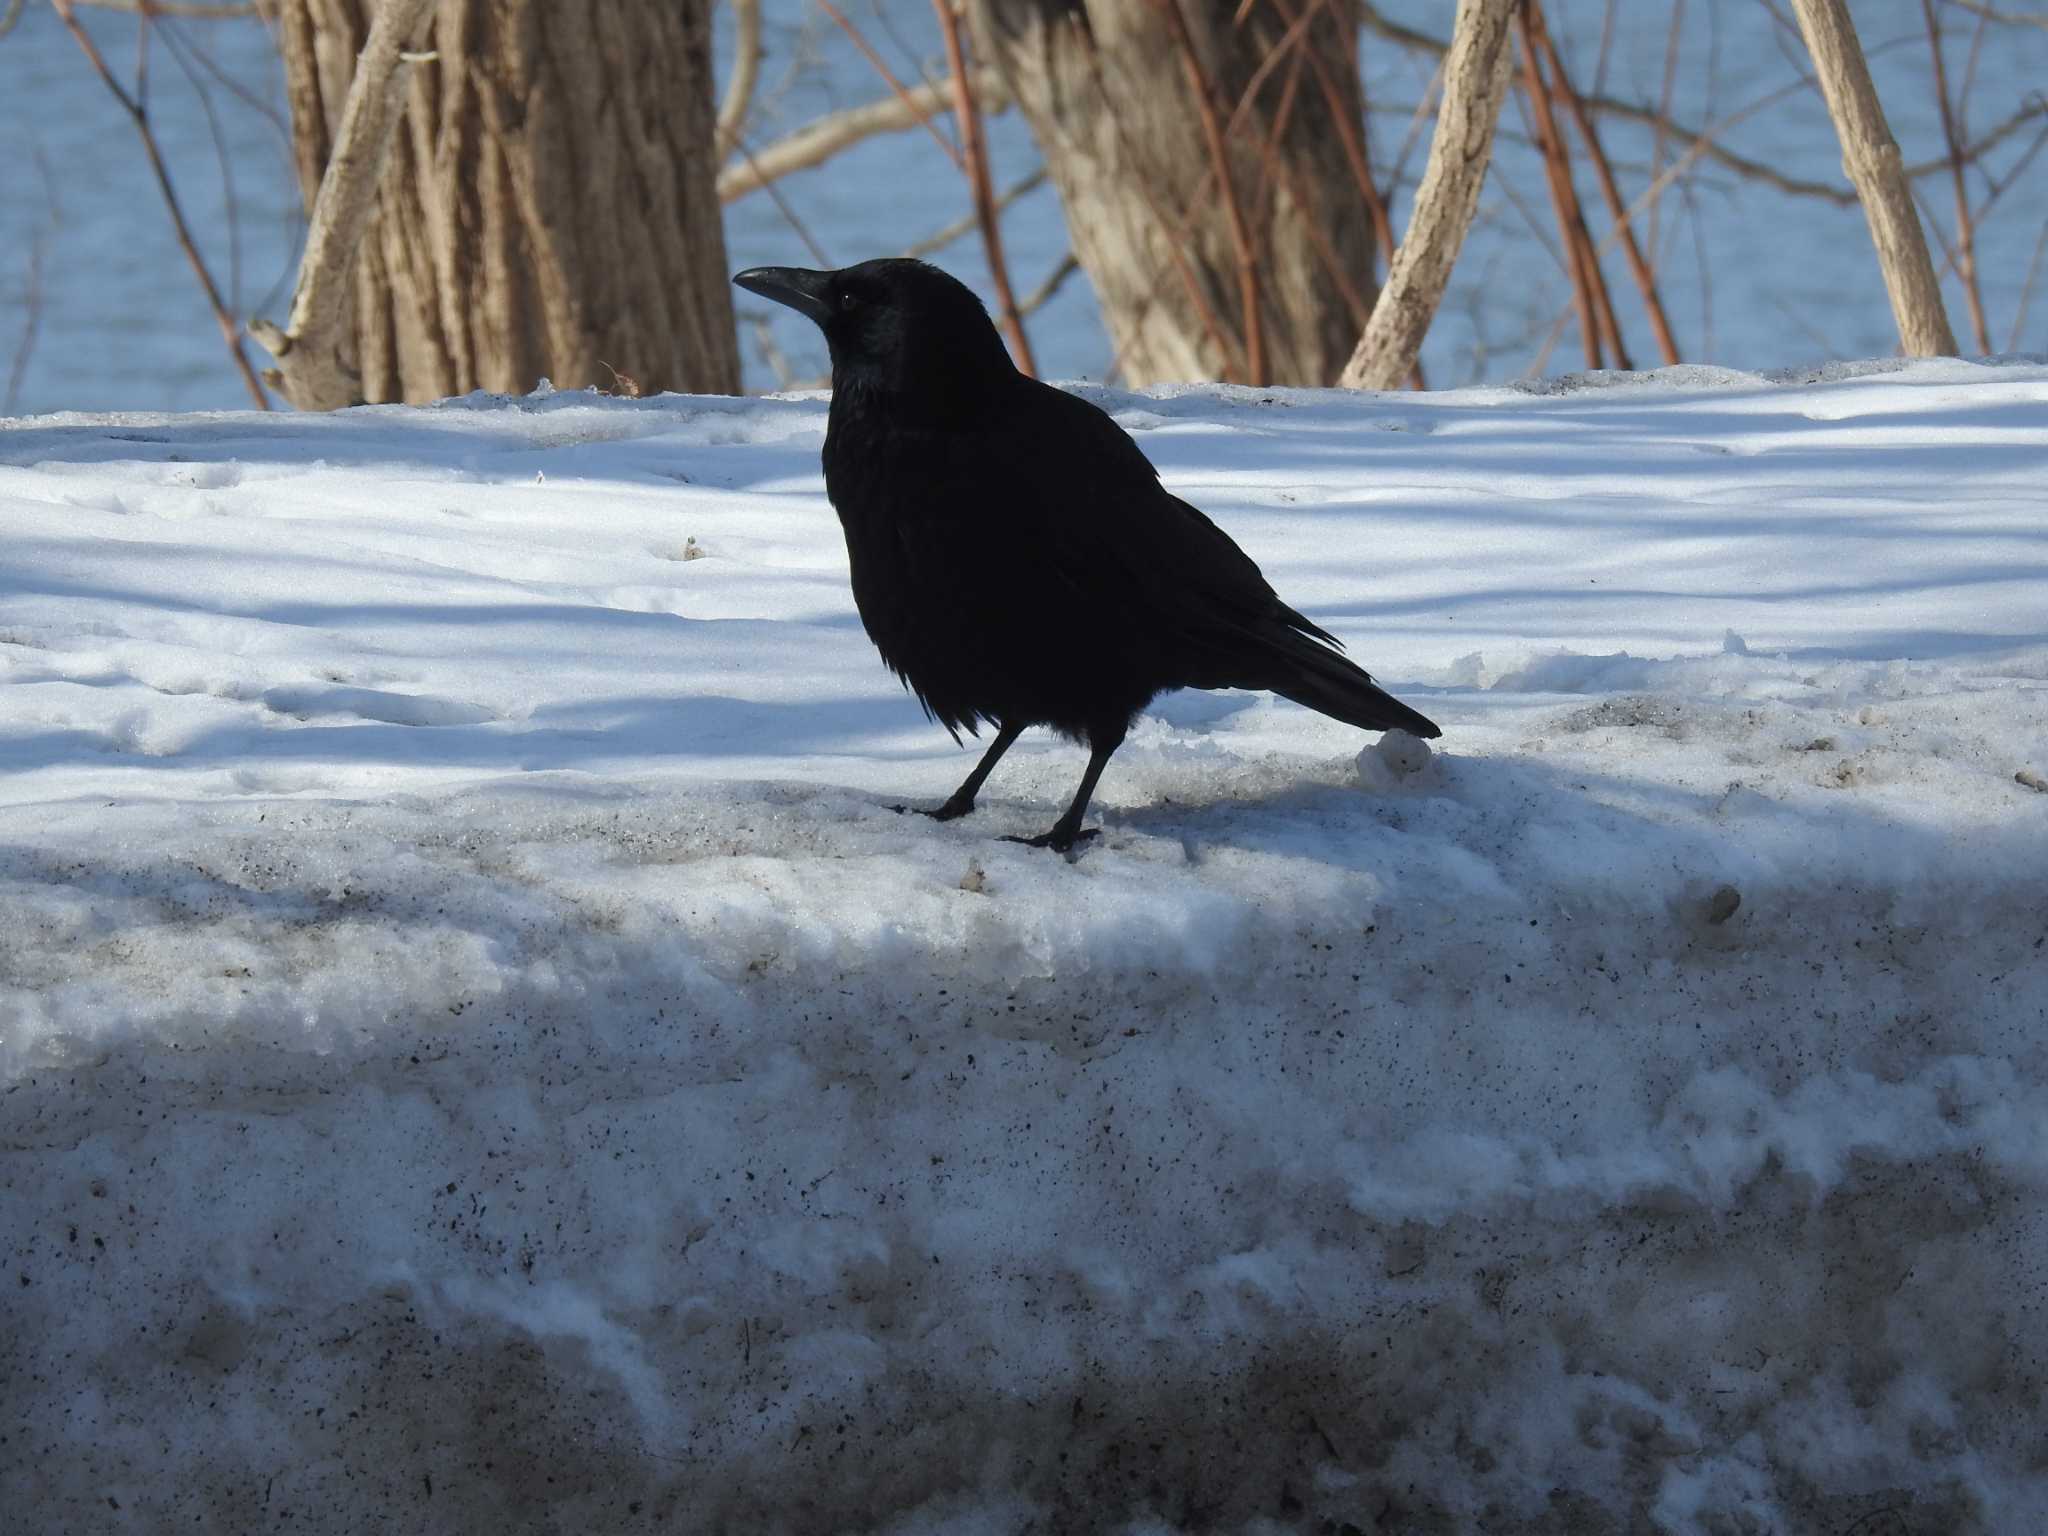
(481, 1049)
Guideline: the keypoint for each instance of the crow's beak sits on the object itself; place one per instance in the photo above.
(800, 288)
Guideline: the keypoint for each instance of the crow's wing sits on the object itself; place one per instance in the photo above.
(1079, 544)
(1083, 510)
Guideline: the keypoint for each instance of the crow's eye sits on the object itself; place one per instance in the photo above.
(848, 301)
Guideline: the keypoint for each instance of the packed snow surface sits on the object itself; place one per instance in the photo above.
(480, 1049)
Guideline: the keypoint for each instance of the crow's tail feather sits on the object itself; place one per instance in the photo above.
(1325, 682)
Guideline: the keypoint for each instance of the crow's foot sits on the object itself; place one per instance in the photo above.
(952, 810)
(1059, 839)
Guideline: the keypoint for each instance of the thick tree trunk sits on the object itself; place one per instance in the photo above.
(548, 208)
(1871, 157)
(1264, 279)
(1475, 81)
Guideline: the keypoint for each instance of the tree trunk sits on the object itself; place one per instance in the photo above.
(1871, 157)
(1475, 82)
(1263, 276)
(548, 208)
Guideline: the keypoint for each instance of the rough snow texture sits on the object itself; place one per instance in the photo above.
(479, 1051)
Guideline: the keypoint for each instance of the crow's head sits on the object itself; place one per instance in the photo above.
(896, 328)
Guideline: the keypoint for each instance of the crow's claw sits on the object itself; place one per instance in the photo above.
(1058, 839)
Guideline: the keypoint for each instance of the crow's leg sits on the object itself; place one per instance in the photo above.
(962, 799)
(1067, 830)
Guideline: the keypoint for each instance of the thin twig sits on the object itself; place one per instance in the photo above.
(1701, 140)
(974, 148)
(1978, 8)
(1065, 268)
(818, 141)
(1357, 157)
(1701, 148)
(946, 234)
(2019, 318)
(32, 299)
(1283, 51)
(1290, 48)
(790, 216)
(1174, 237)
(903, 94)
(1704, 267)
(1966, 235)
(1662, 129)
(137, 114)
(2003, 184)
(1295, 47)
(1233, 207)
(1660, 324)
(746, 73)
(312, 371)
(232, 203)
(1271, 159)
(1349, 137)
(1596, 323)
(188, 10)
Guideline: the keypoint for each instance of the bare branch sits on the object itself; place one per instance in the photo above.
(1978, 8)
(1603, 171)
(2019, 318)
(974, 150)
(903, 93)
(1350, 138)
(746, 72)
(186, 10)
(139, 115)
(1663, 126)
(817, 142)
(1475, 80)
(1219, 156)
(1871, 157)
(1965, 252)
(311, 373)
(1589, 288)
(1065, 268)
(1702, 140)
(32, 321)
(946, 234)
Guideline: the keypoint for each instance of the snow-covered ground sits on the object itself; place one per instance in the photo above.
(479, 1050)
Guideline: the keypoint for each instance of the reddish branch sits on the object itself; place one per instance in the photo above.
(1198, 298)
(910, 103)
(1645, 278)
(1271, 160)
(1293, 49)
(1590, 296)
(974, 147)
(1233, 206)
(1966, 231)
(139, 115)
(1350, 138)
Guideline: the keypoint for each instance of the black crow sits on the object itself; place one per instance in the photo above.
(1015, 559)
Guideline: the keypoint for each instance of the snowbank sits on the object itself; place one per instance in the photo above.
(479, 1050)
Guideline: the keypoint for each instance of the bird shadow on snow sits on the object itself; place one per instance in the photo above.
(581, 735)
(1475, 809)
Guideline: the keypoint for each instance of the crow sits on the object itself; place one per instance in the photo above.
(1015, 559)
